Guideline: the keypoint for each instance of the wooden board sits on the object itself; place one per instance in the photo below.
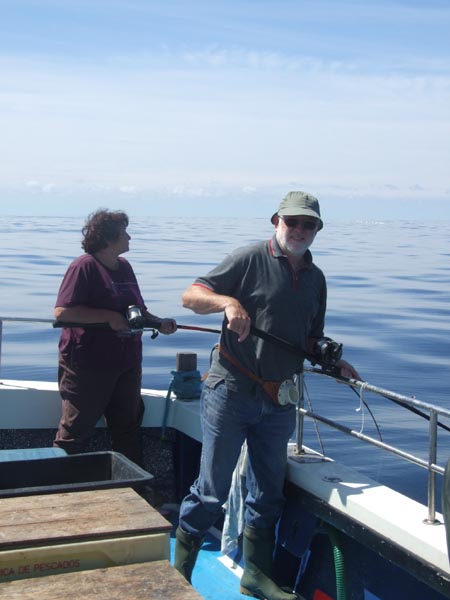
(42, 561)
(145, 581)
(63, 518)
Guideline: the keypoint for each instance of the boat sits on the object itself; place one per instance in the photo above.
(342, 535)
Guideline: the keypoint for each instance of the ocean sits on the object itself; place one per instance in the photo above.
(388, 303)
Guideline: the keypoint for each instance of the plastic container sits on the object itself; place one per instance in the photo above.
(71, 473)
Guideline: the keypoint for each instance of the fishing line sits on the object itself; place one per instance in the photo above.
(361, 408)
(316, 426)
(352, 382)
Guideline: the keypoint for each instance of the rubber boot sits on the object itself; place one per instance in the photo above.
(258, 546)
(187, 548)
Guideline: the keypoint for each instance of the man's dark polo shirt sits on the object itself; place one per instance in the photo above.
(280, 301)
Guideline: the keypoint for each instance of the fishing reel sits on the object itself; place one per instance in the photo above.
(327, 352)
(288, 393)
(137, 321)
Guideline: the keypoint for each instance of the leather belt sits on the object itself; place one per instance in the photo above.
(272, 388)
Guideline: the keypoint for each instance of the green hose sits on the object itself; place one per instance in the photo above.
(339, 562)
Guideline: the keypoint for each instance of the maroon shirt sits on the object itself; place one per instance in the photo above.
(90, 283)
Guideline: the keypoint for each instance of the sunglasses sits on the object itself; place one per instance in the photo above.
(292, 222)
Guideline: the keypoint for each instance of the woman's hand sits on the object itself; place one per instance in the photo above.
(117, 321)
(167, 326)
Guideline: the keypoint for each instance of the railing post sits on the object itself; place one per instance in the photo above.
(432, 457)
(300, 416)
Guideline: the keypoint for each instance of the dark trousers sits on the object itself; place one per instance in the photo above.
(89, 394)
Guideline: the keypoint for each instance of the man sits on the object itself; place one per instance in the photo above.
(276, 287)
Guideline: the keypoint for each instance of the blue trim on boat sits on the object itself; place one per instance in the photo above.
(30, 453)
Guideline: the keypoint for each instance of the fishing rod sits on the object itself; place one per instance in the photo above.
(195, 328)
(152, 325)
(264, 335)
(325, 370)
(329, 370)
(333, 351)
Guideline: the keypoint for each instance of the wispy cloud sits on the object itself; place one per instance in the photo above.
(213, 99)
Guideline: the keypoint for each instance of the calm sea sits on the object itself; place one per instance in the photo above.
(389, 304)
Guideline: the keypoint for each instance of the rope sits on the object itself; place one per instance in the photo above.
(186, 385)
(361, 405)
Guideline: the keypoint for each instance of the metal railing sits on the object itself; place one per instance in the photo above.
(429, 411)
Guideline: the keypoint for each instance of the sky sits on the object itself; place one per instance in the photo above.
(219, 108)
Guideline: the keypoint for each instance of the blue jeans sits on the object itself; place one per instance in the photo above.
(228, 418)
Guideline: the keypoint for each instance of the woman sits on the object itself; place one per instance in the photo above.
(100, 367)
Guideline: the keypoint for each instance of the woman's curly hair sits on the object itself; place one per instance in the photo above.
(101, 228)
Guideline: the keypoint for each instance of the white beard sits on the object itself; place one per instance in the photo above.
(291, 246)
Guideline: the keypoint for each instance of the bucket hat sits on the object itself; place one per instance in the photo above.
(299, 203)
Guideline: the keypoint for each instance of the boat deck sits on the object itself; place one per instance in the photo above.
(386, 522)
(213, 578)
